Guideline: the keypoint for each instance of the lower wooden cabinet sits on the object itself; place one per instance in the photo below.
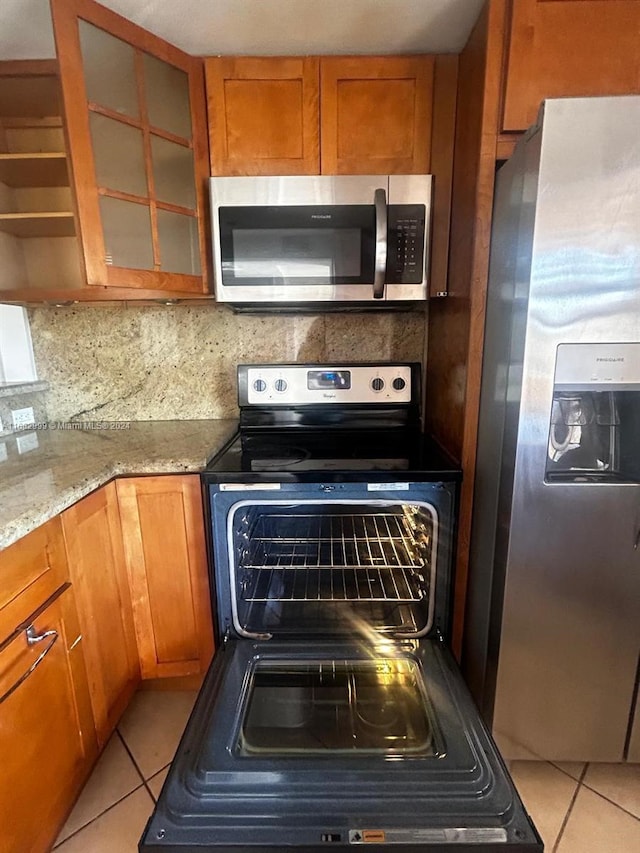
(93, 536)
(47, 738)
(164, 546)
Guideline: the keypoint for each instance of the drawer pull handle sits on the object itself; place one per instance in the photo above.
(32, 639)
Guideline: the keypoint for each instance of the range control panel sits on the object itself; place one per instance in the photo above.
(319, 384)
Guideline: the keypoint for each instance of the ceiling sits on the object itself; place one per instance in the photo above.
(265, 27)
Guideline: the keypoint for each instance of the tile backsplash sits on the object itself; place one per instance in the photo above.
(179, 362)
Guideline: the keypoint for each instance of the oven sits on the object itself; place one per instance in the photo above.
(333, 714)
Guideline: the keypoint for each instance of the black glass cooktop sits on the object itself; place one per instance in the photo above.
(309, 452)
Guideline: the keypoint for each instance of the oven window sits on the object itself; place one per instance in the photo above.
(337, 706)
(333, 568)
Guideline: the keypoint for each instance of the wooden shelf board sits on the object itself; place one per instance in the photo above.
(42, 224)
(34, 170)
(21, 122)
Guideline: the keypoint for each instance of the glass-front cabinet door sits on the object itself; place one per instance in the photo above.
(135, 116)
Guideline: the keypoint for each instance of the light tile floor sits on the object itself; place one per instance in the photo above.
(577, 808)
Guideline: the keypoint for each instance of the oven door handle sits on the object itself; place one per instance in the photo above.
(380, 203)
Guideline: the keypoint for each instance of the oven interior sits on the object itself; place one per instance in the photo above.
(327, 568)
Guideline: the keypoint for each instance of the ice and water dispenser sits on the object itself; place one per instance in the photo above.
(594, 433)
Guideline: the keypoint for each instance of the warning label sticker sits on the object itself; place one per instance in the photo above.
(367, 836)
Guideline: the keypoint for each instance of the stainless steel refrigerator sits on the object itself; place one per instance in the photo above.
(552, 634)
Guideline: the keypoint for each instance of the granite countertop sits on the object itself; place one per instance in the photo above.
(39, 480)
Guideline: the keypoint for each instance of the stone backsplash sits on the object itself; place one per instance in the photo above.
(174, 362)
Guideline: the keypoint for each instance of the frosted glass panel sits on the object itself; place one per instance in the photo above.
(109, 70)
(167, 91)
(173, 172)
(127, 233)
(119, 155)
(179, 249)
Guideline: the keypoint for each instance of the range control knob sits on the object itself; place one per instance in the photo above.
(280, 385)
(377, 384)
(259, 385)
(399, 384)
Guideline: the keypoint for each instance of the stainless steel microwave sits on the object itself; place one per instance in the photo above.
(350, 239)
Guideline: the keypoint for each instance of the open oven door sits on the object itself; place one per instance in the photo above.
(338, 745)
(333, 714)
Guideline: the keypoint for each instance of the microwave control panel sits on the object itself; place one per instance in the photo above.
(406, 243)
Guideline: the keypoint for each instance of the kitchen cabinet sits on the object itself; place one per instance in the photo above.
(93, 537)
(263, 115)
(47, 738)
(38, 246)
(164, 545)
(360, 115)
(134, 113)
(375, 114)
(569, 48)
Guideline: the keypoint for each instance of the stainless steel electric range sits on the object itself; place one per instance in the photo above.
(333, 714)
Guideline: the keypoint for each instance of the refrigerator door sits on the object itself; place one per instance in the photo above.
(553, 641)
(339, 744)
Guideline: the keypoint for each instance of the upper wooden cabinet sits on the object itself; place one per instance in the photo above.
(375, 114)
(320, 115)
(98, 572)
(134, 113)
(263, 115)
(569, 48)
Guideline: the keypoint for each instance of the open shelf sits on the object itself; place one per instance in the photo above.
(41, 224)
(34, 170)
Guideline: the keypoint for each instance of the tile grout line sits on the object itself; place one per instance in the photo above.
(95, 818)
(135, 764)
(570, 809)
(609, 800)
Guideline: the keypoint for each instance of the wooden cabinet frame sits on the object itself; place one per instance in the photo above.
(77, 108)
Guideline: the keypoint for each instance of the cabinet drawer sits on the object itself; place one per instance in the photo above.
(31, 570)
(47, 741)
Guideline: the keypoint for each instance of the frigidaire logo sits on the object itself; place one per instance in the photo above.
(321, 216)
(611, 359)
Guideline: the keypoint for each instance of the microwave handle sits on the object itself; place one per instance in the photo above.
(380, 203)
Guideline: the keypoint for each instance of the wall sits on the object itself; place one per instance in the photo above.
(178, 362)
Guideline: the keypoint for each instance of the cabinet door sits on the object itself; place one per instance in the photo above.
(135, 118)
(569, 48)
(375, 114)
(163, 531)
(47, 741)
(99, 575)
(263, 115)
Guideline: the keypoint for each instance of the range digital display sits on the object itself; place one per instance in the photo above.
(320, 380)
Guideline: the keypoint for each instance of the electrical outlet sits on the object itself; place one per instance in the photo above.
(22, 417)
(27, 442)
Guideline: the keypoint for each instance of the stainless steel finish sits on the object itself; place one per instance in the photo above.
(380, 203)
(338, 558)
(554, 563)
(32, 639)
(312, 190)
(296, 391)
(602, 366)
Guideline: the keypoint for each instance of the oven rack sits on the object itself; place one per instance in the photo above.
(344, 556)
(340, 584)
